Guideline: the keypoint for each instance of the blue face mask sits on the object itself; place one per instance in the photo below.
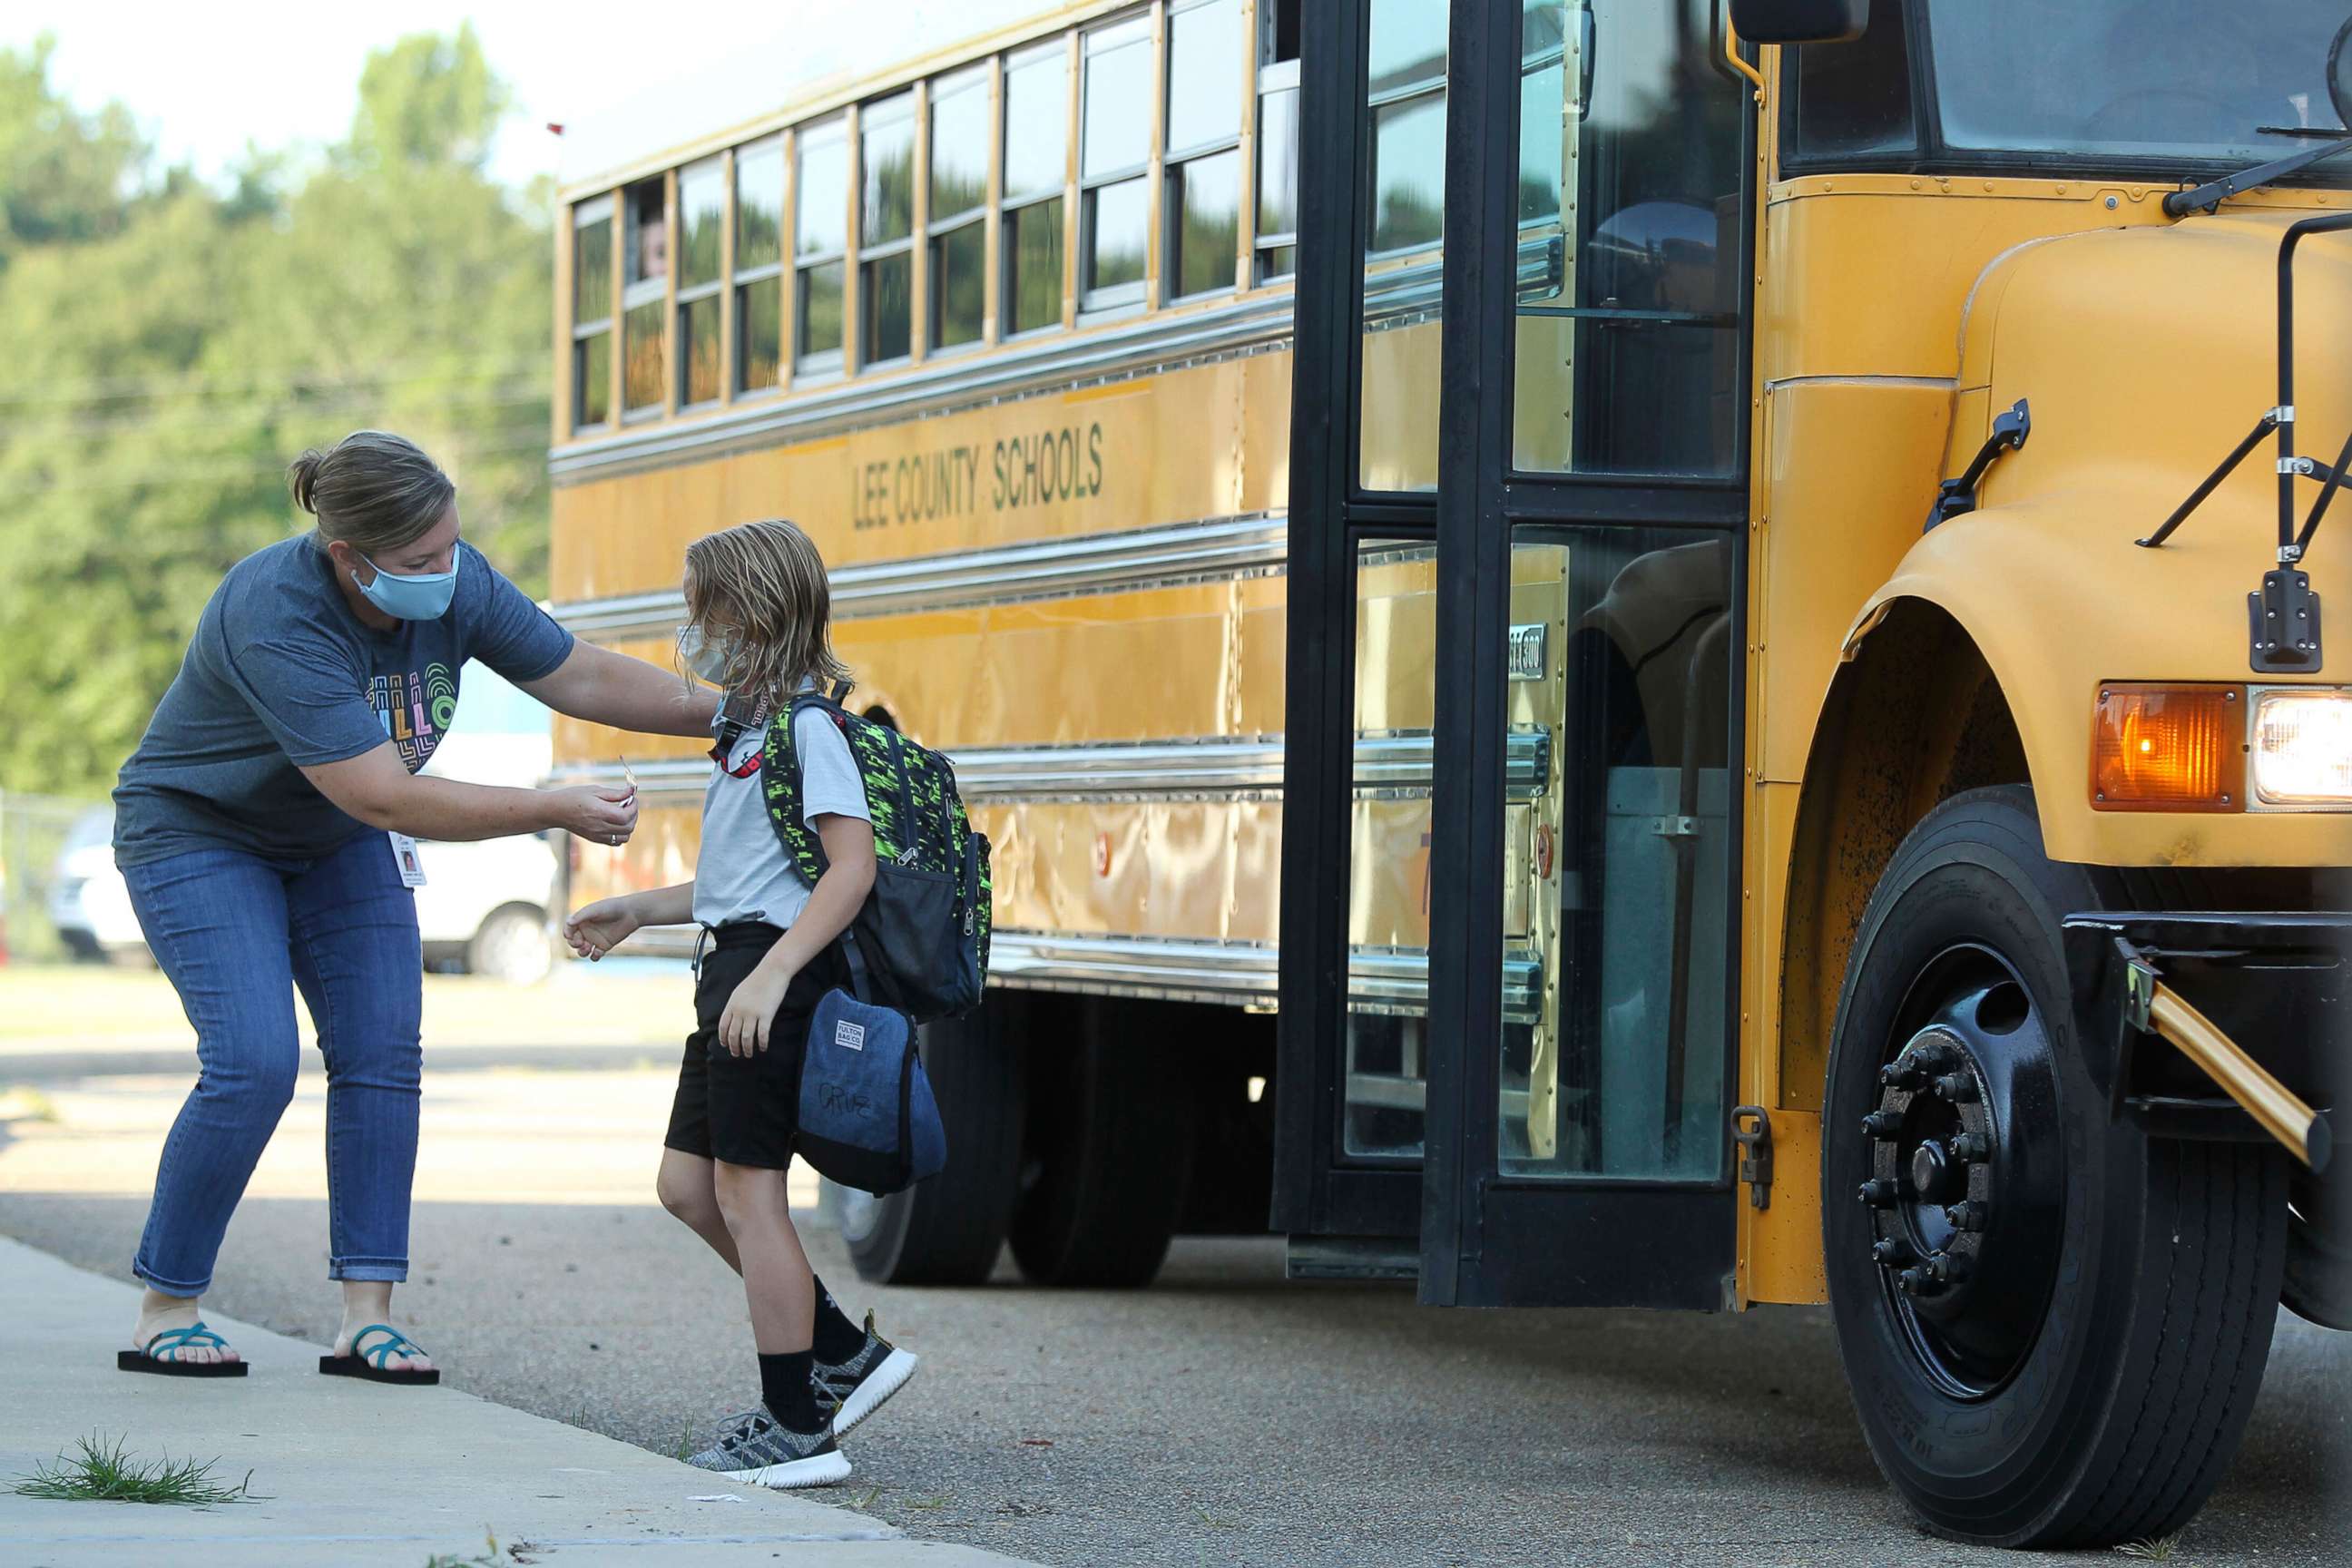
(423, 597)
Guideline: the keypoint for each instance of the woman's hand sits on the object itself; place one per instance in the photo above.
(743, 1026)
(595, 930)
(600, 813)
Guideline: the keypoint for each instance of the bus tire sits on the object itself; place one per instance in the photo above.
(2079, 1368)
(2319, 1250)
(948, 1230)
(1110, 1140)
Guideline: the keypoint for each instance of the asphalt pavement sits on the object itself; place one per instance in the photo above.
(1222, 1416)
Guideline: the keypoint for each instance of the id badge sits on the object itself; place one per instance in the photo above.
(404, 856)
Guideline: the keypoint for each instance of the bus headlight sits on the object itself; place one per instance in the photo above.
(2302, 747)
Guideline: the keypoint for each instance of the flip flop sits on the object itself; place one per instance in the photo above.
(163, 1359)
(369, 1364)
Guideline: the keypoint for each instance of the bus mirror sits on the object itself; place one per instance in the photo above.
(1798, 21)
(2340, 73)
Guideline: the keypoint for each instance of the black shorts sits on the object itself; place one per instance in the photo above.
(746, 1110)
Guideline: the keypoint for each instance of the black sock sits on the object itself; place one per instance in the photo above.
(786, 1389)
(837, 1339)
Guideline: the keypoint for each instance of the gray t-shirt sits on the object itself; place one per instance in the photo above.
(743, 873)
(280, 675)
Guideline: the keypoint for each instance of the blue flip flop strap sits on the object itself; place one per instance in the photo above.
(396, 1345)
(181, 1340)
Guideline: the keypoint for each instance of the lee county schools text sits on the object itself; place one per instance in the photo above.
(1016, 471)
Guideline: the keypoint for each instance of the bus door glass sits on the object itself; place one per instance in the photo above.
(1579, 1147)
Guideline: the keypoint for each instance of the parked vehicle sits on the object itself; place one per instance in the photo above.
(484, 908)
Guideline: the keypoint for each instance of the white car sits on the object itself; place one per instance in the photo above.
(484, 907)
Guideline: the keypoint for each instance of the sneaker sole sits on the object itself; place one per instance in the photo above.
(868, 1396)
(816, 1470)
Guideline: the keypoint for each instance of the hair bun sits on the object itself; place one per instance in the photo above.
(302, 475)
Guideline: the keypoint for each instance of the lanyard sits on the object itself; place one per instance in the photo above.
(733, 729)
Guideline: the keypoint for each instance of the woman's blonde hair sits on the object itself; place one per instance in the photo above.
(373, 490)
(762, 587)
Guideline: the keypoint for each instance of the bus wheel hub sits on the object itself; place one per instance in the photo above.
(1964, 1181)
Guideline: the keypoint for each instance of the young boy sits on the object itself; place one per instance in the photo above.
(757, 609)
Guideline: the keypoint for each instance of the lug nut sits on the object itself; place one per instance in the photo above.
(1903, 1073)
(1971, 1146)
(1893, 1253)
(1882, 1125)
(1957, 1087)
(1915, 1282)
(1878, 1193)
(1946, 1269)
(1966, 1215)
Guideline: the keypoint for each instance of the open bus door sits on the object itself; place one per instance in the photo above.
(1517, 544)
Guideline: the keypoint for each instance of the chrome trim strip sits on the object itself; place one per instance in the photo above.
(1114, 561)
(1157, 769)
(1151, 344)
(1192, 969)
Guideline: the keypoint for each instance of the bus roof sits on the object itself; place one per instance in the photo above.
(838, 55)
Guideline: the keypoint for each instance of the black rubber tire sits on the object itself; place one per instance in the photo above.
(949, 1230)
(1110, 1140)
(2318, 1284)
(497, 947)
(2124, 1413)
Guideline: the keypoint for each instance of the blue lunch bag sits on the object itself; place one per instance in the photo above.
(868, 1117)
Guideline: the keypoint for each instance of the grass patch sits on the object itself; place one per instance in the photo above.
(493, 1556)
(2160, 1549)
(96, 1472)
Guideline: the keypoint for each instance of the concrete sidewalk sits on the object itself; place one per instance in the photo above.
(356, 1473)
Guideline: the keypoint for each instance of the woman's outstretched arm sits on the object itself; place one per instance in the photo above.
(607, 688)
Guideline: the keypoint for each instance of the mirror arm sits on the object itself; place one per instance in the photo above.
(1732, 53)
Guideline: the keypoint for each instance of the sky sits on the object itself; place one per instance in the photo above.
(204, 80)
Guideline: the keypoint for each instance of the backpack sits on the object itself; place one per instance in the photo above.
(922, 935)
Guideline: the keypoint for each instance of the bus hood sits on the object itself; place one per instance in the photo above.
(2144, 355)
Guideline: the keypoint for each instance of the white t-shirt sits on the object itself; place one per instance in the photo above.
(743, 873)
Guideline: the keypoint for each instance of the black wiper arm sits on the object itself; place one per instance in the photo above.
(2213, 193)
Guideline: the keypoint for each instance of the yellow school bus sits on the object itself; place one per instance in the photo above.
(1618, 652)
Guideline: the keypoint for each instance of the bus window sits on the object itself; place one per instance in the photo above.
(1407, 87)
(1277, 139)
(958, 217)
(886, 231)
(1114, 154)
(1852, 101)
(645, 280)
(591, 313)
(1384, 1086)
(1629, 267)
(1203, 141)
(1037, 153)
(821, 242)
(702, 218)
(1405, 132)
(759, 264)
(1617, 838)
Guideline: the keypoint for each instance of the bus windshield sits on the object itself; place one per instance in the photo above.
(2180, 81)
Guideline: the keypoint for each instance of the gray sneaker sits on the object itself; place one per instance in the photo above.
(760, 1451)
(854, 1389)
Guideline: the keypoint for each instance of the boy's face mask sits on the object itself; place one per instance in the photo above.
(707, 658)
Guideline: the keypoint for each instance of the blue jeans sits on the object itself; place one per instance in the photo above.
(237, 934)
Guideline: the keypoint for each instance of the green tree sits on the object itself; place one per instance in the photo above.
(172, 348)
(63, 175)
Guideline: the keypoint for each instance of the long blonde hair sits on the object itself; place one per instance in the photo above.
(762, 586)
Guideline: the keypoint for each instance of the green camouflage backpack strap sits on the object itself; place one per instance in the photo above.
(877, 752)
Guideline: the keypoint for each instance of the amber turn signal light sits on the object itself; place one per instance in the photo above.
(2168, 748)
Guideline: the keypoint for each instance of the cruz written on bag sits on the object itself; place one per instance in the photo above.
(923, 929)
(868, 1118)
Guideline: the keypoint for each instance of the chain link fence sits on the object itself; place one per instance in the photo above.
(36, 830)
